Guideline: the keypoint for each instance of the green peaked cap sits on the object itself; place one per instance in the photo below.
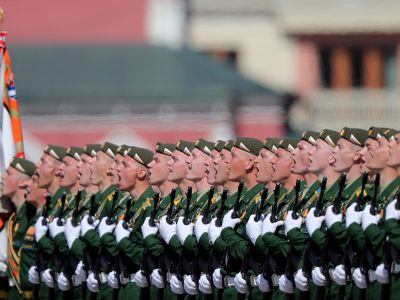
(288, 144)
(219, 145)
(250, 145)
(229, 145)
(75, 153)
(331, 137)
(204, 146)
(185, 147)
(23, 165)
(310, 136)
(271, 144)
(165, 149)
(91, 149)
(109, 149)
(354, 135)
(141, 155)
(57, 152)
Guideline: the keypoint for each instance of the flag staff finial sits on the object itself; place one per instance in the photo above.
(1, 16)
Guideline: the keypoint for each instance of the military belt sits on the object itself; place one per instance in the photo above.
(126, 279)
(74, 279)
(395, 268)
(103, 277)
(253, 280)
(168, 276)
(371, 276)
(275, 279)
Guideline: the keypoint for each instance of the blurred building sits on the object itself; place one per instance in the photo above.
(342, 58)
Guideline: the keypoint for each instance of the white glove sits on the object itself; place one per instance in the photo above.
(176, 285)
(40, 229)
(200, 228)
(140, 279)
(105, 228)
(205, 285)
(312, 222)
(182, 230)
(147, 229)
(85, 226)
(71, 232)
(332, 218)
(33, 275)
(56, 229)
(63, 282)
(156, 279)
(339, 275)
(285, 285)
(353, 216)
(391, 211)
(228, 221)
(317, 277)
(80, 271)
(167, 231)
(262, 284)
(112, 280)
(214, 231)
(240, 284)
(47, 278)
(359, 279)
(368, 218)
(253, 229)
(301, 281)
(291, 223)
(382, 275)
(189, 285)
(217, 278)
(268, 226)
(92, 283)
(120, 232)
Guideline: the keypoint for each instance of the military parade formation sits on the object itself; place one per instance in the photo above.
(309, 218)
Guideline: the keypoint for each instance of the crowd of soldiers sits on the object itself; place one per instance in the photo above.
(309, 218)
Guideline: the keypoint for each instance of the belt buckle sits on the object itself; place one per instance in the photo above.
(228, 281)
(75, 280)
(253, 280)
(132, 277)
(103, 277)
(275, 279)
(168, 276)
(371, 275)
(123, 279)
(395, 267)
(330, 272)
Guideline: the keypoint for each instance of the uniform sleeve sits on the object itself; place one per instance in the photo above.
(60, 243)
(235, 243)
(190, 243)
(132, 248)
(318, 238)
(376, 236)
(46, 246)
(153, 244)
(297, 239)
(393, 231)
(77, 249)
(92, 238)
(278, 246)
(338, 232)
(109, 243)
(357, 237)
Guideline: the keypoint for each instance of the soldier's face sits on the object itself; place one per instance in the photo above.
(68, 171)
(112, 170)
(128, 172)
(380, 153)
(223, 167)
(84, 167)
(238, 164)
(158, 169)
(394, 145)
(47, 169)
(344, 155)
(365, 158)
(320, 157)
(10, 181)
(178, 169)
(301, 157)
(282, 164)
(33, 192)
(196, 165)
(100, 167)
(211, 166)
(263, 163)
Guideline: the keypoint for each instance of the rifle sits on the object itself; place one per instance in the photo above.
(40, 260)
(92, 209)
(156, 199)
(374, 202)
(320, 202)
(68, 263)
(206, 212)
(236, 206)
(220, 213)
(187, 210)
(129, 201)
(296, 205)
(274, 209)
(397, 205)
(163, 254)
(338, 199)
(361, 199)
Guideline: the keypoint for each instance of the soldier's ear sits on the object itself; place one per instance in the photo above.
(357, 157)
(141, 174)
(250, 164)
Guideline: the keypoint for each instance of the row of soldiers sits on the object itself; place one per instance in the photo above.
(309, 218)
